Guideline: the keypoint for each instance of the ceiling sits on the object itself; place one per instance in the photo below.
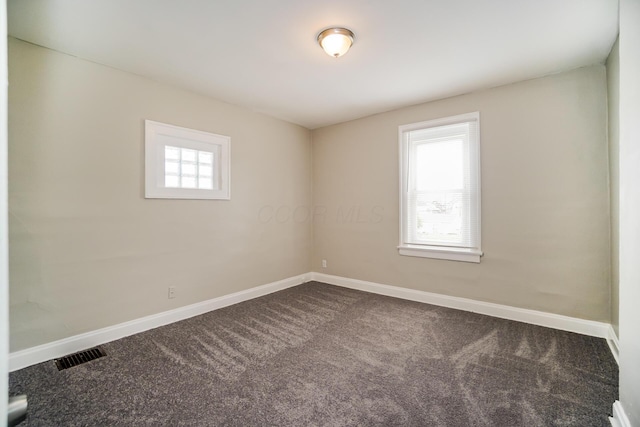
(263, 54)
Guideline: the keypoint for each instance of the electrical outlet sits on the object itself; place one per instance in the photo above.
(324, 263)
(172, 292)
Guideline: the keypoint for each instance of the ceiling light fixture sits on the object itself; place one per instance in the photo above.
(335, 41)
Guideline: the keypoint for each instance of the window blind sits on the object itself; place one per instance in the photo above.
(442, 186)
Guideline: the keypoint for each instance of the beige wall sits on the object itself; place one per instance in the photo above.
(545, 198)
(86, 249)
(613, 97)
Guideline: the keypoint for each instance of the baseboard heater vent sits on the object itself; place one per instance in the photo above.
(79, 358)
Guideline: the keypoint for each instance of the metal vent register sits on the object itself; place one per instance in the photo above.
(79, 358)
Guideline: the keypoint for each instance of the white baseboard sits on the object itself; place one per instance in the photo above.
(540, 318)
(619, 418)
(42, 353)
(612, 340)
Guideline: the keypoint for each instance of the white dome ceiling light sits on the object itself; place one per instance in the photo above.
(335, 41)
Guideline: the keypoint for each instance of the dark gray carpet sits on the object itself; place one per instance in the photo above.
(320, 355)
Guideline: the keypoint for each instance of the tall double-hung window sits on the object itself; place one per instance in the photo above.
(440, 188)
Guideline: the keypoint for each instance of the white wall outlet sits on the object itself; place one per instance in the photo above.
(324, 263)
(172, 292)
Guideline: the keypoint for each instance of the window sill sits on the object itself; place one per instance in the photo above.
(437, 252)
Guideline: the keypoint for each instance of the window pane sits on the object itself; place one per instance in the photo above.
(171, 181)
(439, 165)
(205, 170)
(189, 155)
(439, 217)
(205, 183)
(204, 157)
(171, 167)
(188, 169)
(188, 182)
(172, 153)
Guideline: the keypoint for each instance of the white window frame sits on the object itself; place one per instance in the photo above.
(160, 135)
(446, 252)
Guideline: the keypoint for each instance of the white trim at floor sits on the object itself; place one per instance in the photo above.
(612, 340)
(42, 353)
(619, 418)
(540, 318)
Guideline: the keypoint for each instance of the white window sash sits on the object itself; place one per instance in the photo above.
(468, 246)
(159, 135)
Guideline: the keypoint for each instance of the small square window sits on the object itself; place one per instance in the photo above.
(182, 163)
